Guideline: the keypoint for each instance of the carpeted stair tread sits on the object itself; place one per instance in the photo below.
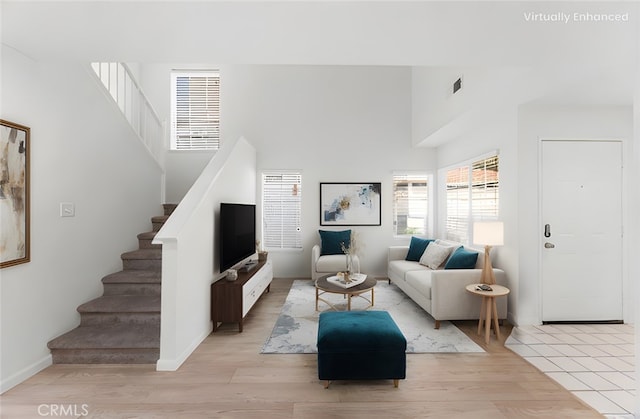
(122, 304)
(159, 218)
(122, 326)
(140, 254)
(121, 336)
(169, 208)
(133, 277)
(149, 235)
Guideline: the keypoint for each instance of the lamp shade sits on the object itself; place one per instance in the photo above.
(488, 233)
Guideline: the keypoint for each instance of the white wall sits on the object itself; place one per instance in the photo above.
(319, 118)
(537, 122)
(77, 140)
(190, 261)
(497, 132)
(634, 248)
(350, 124)
(439, 115)
(183, 168)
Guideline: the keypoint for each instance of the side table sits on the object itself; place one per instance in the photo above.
(488, 310)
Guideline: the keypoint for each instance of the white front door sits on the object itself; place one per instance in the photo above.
(581, 231)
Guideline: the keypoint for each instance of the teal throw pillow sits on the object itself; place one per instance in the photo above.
(331, 241)
(417, 248)
(462, 259)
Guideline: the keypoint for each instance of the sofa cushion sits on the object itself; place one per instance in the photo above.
(331, 241)
(331, 263)
(462, 259)
(398, 268)
(417, 248)
(435, 255)
(479, 262)
(421, 281)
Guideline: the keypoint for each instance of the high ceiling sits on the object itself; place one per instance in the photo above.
(329, 32)
(410, 33)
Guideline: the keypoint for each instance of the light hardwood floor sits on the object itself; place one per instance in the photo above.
(227, 377)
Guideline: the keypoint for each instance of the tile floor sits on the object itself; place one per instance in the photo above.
(594, 361)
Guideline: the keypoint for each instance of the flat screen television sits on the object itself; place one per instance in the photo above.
(237, 233)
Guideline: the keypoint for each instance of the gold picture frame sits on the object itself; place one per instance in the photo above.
(15, 144)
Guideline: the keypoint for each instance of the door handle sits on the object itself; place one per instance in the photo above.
(547, 230)
(548, 245)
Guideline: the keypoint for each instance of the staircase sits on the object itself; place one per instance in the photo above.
(122, 326)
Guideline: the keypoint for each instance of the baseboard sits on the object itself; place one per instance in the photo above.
(25, 373)
(174, 364)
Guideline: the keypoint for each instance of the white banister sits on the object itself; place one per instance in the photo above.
(120, 83)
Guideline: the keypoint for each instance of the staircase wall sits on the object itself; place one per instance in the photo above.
(190, 250)
(83, 152)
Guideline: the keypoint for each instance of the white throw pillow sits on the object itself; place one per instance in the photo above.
(434, 255)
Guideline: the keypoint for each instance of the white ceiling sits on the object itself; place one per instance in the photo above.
(412, 33)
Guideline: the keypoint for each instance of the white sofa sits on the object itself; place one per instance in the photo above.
(442, 292)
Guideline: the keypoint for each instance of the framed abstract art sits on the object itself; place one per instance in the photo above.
(14, 193)
(350, 204)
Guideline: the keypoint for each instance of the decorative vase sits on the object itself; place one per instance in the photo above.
(262, 256)
(349, 263)
(232, 275)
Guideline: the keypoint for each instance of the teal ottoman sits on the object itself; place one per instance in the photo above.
(360, 345)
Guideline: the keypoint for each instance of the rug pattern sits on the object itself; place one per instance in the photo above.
(296, 329)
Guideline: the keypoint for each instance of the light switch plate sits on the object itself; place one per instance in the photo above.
(67, 209)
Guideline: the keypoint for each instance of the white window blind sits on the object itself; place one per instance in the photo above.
(195, 110)
(484, 189)
(472, 193)
(281, 207)
(457, 223)
(410, 203)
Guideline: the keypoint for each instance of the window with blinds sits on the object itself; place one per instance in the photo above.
(195, 110)
(281, 210)
(457, 223)
(410, 204)
(472, 193)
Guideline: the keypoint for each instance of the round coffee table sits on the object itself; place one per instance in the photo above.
(324, 286)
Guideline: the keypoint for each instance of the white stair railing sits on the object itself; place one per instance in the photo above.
(127, 94)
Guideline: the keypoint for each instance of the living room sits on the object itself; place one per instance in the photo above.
(353, 115)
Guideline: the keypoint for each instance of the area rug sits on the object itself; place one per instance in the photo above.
(296, 329)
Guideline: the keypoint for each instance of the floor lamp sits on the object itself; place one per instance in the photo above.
(488, 233)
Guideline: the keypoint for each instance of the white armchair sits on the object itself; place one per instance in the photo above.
(329, 264)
